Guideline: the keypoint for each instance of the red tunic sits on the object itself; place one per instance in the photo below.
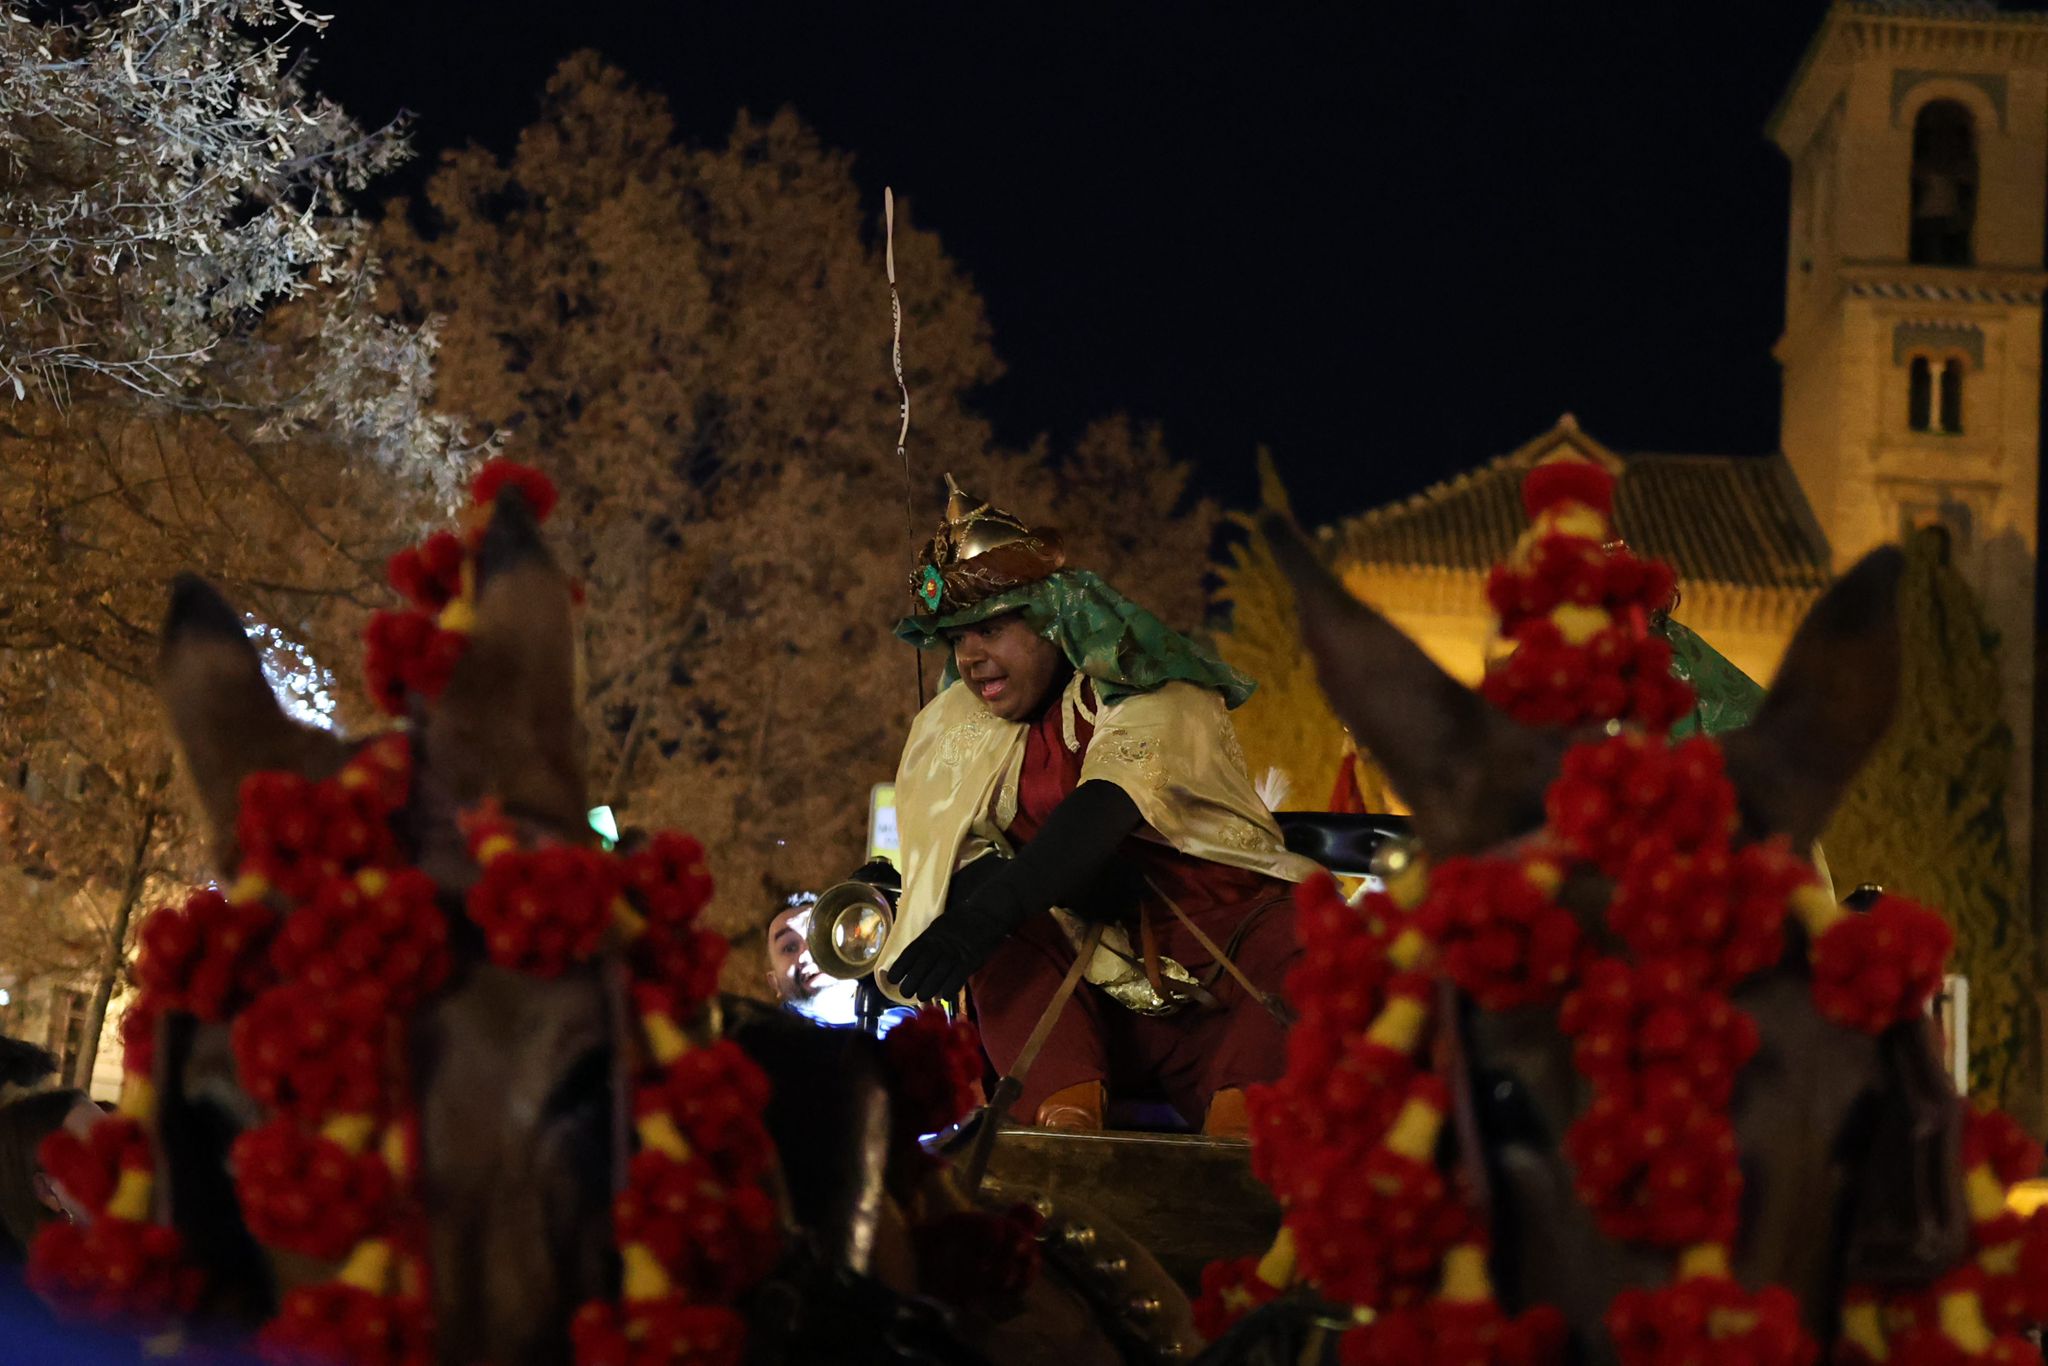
(1182, 1058)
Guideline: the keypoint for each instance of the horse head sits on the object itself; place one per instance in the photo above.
(515, 1077)
(1849, 1143)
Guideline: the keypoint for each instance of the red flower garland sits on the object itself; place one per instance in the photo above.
(313, 1056)
(538, 490)
(119, 1269)
(1709, 1318)
(429, 575)
(206, 957)
(665, 1332)
(1872, 971)
(1502, 937)
(1449, 1333)
(305, 1193)
(321, 1325)
(408, 653)
(90, 1168)
(380, 929)
(544, 910)
(315, 1007)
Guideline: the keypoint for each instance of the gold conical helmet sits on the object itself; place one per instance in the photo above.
(977, 552)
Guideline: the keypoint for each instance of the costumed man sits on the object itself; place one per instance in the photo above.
(1079, 768)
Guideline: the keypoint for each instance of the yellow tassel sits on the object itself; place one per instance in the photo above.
(1579, 624)
(1863, 1327)
(1413, 1132)
(131, 1197)
(630, 922)
(659, 1132)
(1816, 909)
(460, 613)
(458, 616)
(644, 1280)
(493, 847)
(664, 1038)
(368, 1267)
(1545, 876)
(372, 881)
(1703, 1259)
(1572, 519)
(1408, 950)
(1962, 1322)
(1276, 1268)
(1399, 1024)
(1984, 1192)
(1465, 1279)
(392, 1146)
(2002, 1260)
(1410, 887)
(352, 1132)
(248, 889)
(138, 1096)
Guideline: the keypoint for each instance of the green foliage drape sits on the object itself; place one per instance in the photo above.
(1927, 819)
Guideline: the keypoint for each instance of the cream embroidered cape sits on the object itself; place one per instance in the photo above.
(1174, 750)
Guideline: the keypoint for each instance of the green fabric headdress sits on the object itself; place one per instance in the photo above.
(1115, 642)
(1728, 697)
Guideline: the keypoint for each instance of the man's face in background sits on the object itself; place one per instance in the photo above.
(791, 968)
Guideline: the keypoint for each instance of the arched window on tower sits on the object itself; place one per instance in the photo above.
(1944, 185)
(1920, 394)
(1952, 396)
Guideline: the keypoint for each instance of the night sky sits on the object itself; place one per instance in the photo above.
(1390, 242)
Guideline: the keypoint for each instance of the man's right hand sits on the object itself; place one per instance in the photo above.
(952, 948)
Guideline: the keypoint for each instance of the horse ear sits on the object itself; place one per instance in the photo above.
(506, 725)
(1473, 776)
(226, 719)
(1830, 704)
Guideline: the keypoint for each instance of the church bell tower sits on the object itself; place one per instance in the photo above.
(1918, 140)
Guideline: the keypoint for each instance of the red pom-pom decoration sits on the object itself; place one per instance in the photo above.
(1874, 970)
(89, 1168)
(205, 957)
(535, 487)
(716, 1095)
(934, 1069)
(382, 929)
(429, 575)
(1504, 940)
(1456, 1333)
(333, 1322)
(1709, 1319)
(1567, 481)
(1642, 1032)
(544, 910)
(307, 1194)
(1663, 1173)
(298, 834)
(712, 1238)
(665, 1332)
(1231, 1289)
(669, 881)
(113, 1269)
(314, 1057)
(408, 654)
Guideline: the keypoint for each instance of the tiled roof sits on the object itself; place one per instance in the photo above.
(1738, 520)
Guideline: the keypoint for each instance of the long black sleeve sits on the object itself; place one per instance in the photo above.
(1071, 862)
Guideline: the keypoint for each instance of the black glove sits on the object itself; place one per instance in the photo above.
(939, 961)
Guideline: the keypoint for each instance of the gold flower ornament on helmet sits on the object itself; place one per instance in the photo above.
(978, 552)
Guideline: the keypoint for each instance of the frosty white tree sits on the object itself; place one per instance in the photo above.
(198, 379)
(166, 177)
